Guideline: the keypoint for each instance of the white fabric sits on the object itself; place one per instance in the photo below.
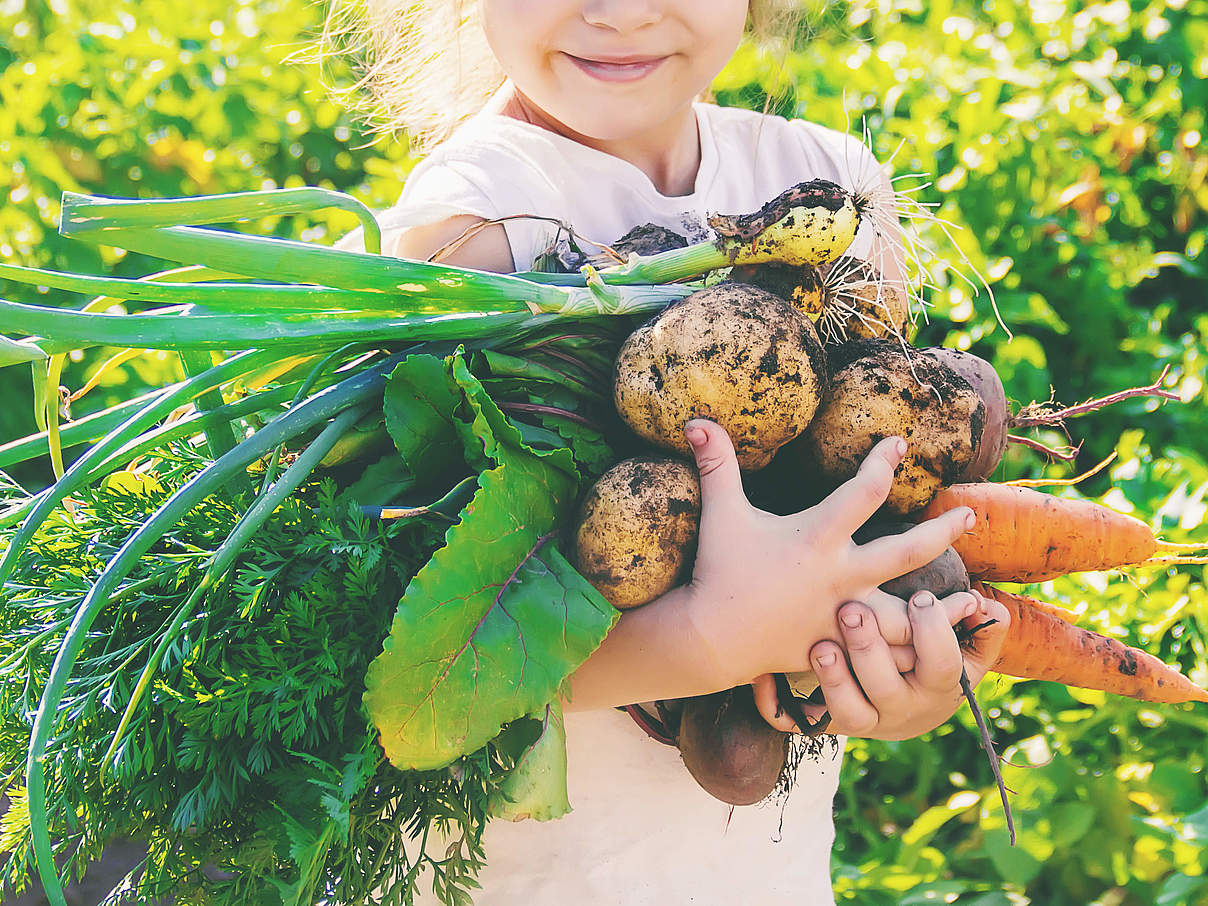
(495, 166)
(641, 830)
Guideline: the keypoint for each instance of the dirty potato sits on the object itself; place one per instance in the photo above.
(879, 391)
(985, 380)
(861, 305)
(637, 528)
(732, 353)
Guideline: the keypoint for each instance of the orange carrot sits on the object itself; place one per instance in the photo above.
(1042, 646)
(1023, 535)
(1066, 616)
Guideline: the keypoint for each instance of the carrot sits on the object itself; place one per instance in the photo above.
(1066, 616)
(1024, 535)
(1040, 645)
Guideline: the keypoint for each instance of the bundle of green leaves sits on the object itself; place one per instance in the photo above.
(252, 765)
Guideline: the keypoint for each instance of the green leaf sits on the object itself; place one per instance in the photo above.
(1195, 825)
(489, 628)
(14, 352)
(419, 403)
(1071, 821)
(933, 893)
(382, 482)
(1182, 890)
(490, 428)
(536, 787)
(1013, 863)
(588, 445)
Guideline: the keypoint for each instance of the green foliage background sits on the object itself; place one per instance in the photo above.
(1066, 139)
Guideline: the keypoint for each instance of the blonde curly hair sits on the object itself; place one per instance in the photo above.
(424, 66)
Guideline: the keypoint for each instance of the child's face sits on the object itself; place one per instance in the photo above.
(613, 69)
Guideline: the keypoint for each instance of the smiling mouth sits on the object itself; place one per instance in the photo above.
(620, 70)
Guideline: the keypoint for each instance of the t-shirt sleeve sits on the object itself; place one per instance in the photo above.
(435, 190)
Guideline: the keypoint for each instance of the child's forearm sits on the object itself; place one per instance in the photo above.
(653, 652)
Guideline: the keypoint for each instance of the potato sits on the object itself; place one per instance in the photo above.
(798, 284)
(878, 391)
(732, 353)
(637, 528)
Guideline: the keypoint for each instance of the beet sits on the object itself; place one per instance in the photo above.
(729, 748)
(988, 385)
(943, 576)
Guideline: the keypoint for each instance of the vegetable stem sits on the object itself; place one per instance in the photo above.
(83, 213)
(164, 403)
(220, 438)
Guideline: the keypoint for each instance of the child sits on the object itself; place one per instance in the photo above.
(592, 121)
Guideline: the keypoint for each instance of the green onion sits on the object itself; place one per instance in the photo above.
(81, 431)
(164, 402)
(88, 213)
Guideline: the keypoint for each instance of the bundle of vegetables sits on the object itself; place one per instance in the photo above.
(298, 616)
(749, 359)
(290, 616)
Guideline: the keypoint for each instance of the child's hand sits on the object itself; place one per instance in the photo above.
(874, 699)
(765, 588)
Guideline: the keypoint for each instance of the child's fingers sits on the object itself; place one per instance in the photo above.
(894, 622)
(890, 612)
(851, 713)
(853, 502)
(959, 606)
(939, 664)
(872, 661)
(904, 657)
(720, 479)
(895, 555)
(768, 703)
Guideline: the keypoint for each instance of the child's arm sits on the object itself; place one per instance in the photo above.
(486, 250)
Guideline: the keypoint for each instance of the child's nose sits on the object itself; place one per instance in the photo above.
(622, 15)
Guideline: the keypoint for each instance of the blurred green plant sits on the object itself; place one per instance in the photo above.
(1067, 141)
(154, 99)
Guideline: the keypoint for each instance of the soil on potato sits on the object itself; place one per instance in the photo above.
(649, 239)
(919, 395)
(801, 285)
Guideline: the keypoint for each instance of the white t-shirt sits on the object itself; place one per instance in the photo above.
(641, 832)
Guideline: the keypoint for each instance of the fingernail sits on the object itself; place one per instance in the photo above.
(972, 608)
(696, 437)
(923, 599)
(853, 619)
(900, 446)
(826, 660)
(970, 519)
